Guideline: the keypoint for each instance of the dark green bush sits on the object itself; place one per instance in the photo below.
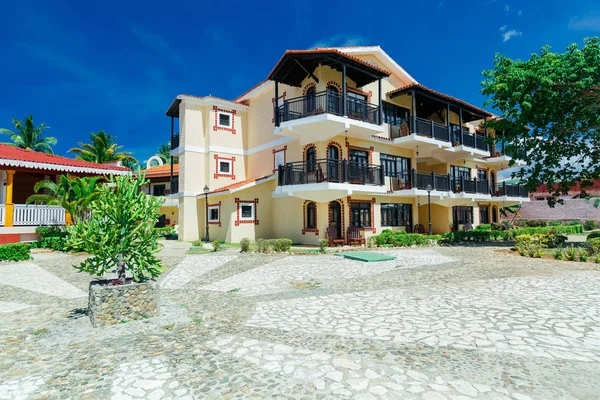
(498, 227)
(262, 245)
(483, 227)
(593, 246)
(572, 223)
(402, 239)
(15, 252)
(530, 223)
(50, 231)
(281, 245)
(555, 222)
(593, 235)
(590, 225)
(216, 244)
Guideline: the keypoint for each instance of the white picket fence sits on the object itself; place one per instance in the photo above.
(34, 215)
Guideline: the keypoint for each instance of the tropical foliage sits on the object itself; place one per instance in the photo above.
(28, 136)
(556, 96)
(73, 194)
(102, 148)
(164, 152)
(120, 231)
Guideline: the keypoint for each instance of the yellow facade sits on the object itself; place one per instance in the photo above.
(247, 147)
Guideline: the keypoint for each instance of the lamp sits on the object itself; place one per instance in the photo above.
(429, 189)
(206, 190)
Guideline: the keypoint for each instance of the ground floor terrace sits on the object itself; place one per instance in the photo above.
(436, 323)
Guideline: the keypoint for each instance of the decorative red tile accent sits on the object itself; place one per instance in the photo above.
(339, 147)
(273, 102)
(341, 202)
(253, 221)
(368, 94)
(372, 201)
(305, 229)
(219, 158)
(284, 156)
(308, 86)
(219, 221)
(369, 149)
(216, 127)
(336, 85)
(383, 138)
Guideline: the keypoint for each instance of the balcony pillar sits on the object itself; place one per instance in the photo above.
(9, 206)
(413, 111)
(276, 103)
(461, 125)
(344, 91)
(380, 111)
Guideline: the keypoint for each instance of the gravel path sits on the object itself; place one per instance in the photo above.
(438, 323)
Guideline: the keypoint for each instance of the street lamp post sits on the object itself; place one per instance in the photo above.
(206, 190)
(429, 188)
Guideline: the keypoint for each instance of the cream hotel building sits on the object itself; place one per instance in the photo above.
(333, 138)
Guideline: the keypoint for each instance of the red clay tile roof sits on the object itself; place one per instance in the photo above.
(249, 90)
(439, 94)
(240, 184)
(333, 51)
(16, 157)
(162, 171)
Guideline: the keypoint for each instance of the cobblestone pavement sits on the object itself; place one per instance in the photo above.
(438, 323)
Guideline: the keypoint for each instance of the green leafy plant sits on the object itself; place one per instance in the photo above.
(583, 255)
(27, 136)
(483, 227)
(371, 242)
(590, 225)
(593, 235)
(216, 244)
(323, 245)
(570, 253)
(597, 259)
(281, 245)
(593, 246)
(15, 252)
(558, 254)
(244, 245)
(120, 230)
(555, 222)
(262, 245)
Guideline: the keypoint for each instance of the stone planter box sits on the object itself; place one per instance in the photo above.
(109, 305)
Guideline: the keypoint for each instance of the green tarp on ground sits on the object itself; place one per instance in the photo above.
(366, 256)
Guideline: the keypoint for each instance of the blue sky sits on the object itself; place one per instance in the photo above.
(86, 66)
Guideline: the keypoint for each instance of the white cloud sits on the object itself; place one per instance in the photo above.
(340, 40)
(590, 23)
(506, 36)
(502, 28)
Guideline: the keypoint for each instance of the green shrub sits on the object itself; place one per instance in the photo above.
(483, 227)
(558, 254)
(245, 245)
(597, 259)
(555, 222)
(590, 225)
(281, 245)
(216, 244)
(164, 231)
(498, 227)
(51, 231)
(593, 246)
(583, 255)
(15, 252)
(531, 245)
(389, 238)
(573, 223)
(262, 245)
(570, 253)
(53, 243)
(553, 239)
(371, 241)
(593, 235)
(323, 245)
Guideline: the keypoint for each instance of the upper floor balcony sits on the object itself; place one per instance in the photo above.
(326, 109)
(501, 155)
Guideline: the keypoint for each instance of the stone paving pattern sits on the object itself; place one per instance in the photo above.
(438, 323)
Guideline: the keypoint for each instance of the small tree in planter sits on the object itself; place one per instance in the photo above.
(120, 235)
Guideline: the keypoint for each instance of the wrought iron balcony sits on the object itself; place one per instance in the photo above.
(509, 190)
(328, 170)
(175, 141)
(328, 103)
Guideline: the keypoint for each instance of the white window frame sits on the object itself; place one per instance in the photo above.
(210, 208)
(252, 216)
(219, 171)
(219, 113)
(279, 154)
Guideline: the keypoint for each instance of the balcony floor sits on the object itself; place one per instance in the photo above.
(327, 191)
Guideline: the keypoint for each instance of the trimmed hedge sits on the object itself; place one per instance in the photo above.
(403, 239)
(593, 235)
(484, 227)
(487, 236)
(15, 252)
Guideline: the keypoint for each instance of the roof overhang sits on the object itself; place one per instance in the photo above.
(173, 110)
(296, 65)
(32, 165)
(239, 188)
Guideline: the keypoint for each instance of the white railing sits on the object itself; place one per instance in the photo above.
(30, 214)
(2, 212)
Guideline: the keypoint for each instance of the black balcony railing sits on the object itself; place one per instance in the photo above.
(435, 130)
(500, 148)
(175, 141)
(328, 170)
(328, 103)
(509, 190)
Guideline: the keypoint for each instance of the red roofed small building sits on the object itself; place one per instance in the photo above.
(20, 170)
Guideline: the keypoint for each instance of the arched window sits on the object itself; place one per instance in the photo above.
(311, 215)
(311, 159)
(311, 99)
(333, 100)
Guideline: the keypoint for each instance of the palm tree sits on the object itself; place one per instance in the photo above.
(164, 152)
(27, 136)
(103, 148)
(73, 194)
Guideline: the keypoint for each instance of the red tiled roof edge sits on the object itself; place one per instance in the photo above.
(240, 184)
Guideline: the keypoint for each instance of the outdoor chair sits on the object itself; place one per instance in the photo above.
(332, 237)
(354, 237)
